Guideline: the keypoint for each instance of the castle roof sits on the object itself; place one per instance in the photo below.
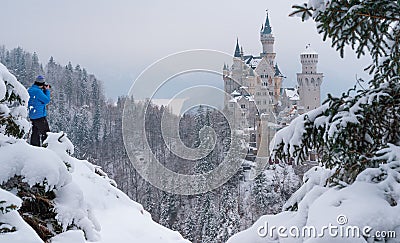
(235, 93)
(252, 61)
(243, 98)
(237, 49)
(292, 94)
(278, 72)
(267, 27)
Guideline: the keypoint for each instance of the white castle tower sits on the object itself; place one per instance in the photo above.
(267, 41)
(309, 80)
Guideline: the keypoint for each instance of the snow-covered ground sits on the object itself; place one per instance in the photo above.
(360, 212)
(83, 197)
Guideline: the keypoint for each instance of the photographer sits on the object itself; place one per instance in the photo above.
(39, 94)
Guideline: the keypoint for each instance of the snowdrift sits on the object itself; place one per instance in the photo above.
(368, 206)
(85, 200)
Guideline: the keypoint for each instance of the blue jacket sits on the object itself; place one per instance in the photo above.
(38, 99)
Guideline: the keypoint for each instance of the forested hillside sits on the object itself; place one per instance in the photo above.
(94, 125)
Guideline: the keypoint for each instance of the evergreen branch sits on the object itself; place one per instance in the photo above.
(380, 17)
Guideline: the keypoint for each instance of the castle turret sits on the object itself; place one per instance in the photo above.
(263, 136)
(309, 80)
(233, 76)
(278, 77)
(225, 72)
(237, 67)
(267, 41)
(237, 49)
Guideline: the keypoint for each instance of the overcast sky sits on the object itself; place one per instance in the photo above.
(116, 40)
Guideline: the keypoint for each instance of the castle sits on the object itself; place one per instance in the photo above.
(257, 102)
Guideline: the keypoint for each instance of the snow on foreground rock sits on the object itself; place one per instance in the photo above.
(369, 206)
(85, 201)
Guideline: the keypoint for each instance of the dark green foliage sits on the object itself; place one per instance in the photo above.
(11, 99)
(259, 195)
(349, 131)
(5, 228)
(37, 207)
(4, 208)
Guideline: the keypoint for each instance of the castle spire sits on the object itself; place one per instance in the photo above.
(267, 27)
(278, 72)
(237, 49)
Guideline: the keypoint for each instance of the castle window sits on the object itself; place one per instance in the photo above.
(258, 102)
(243, 106)
(258, 93)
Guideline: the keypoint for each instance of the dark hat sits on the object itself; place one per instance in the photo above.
(39, 79)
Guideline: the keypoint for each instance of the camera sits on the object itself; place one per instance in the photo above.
(45, 86)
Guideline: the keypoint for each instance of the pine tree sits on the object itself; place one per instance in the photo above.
(35, 68)
(68, 74)
(83, 88)
(259, 200)
(200, 122)
(81, 132)
(229, 219)
(207, 219)
(3, 53)
(188, 227)
(351, 131)
(169, 209)
(13, 98)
